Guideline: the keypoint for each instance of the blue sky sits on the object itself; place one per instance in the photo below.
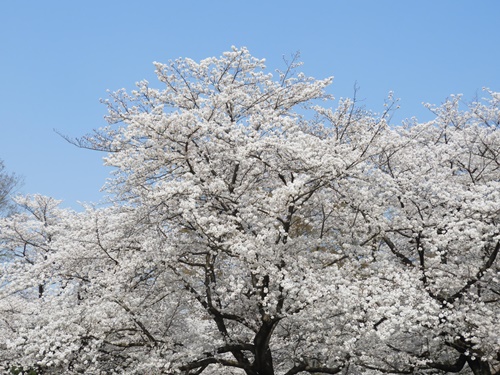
(58, 58)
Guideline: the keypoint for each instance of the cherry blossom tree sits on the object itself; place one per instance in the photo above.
(443, 219)
(255, 231)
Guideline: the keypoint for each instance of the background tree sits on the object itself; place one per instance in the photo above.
(444, 204)
(256, 232)
(438, 184)
(9, 182)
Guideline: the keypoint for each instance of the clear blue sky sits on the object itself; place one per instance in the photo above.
(57, 58)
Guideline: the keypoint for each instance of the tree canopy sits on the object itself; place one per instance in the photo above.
(255, 230)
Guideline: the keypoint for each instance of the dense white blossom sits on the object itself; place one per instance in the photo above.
(254, 231)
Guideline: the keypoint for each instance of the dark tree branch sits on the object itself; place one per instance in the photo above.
(313, 370)
(479, 274)
(203, 363)
(395, 251)
(455, 367)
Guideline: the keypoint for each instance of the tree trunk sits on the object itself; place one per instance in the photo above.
(263, 364)
(479, 367)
